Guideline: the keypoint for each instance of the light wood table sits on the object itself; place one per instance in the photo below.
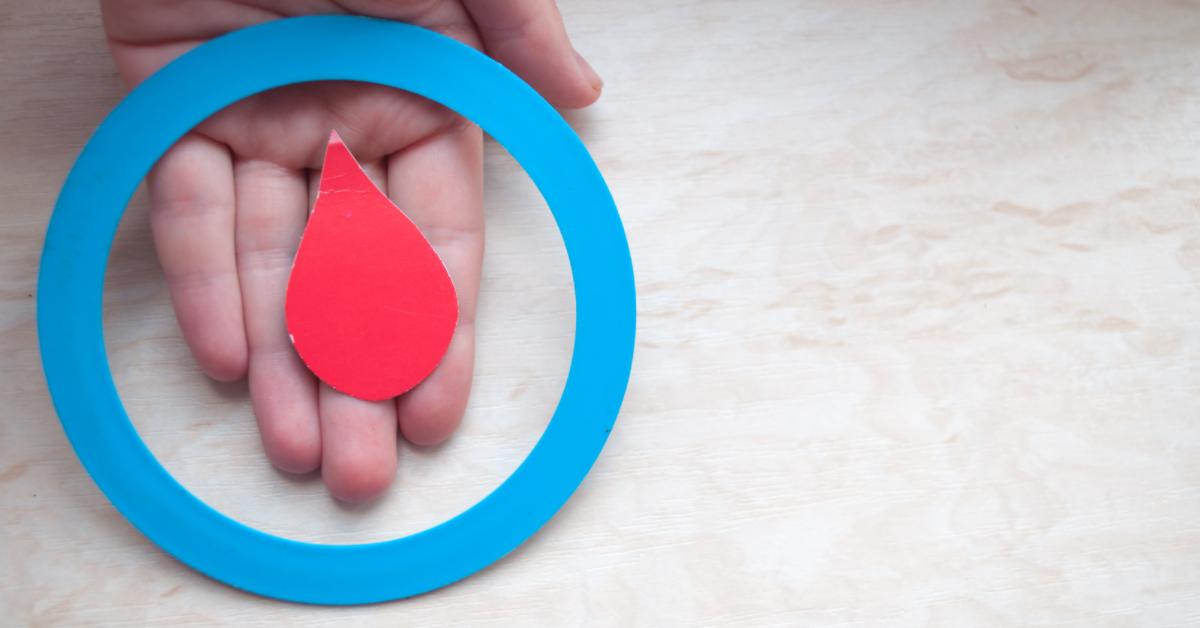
(918, 338)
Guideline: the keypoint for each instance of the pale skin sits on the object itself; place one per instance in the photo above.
(229, 203)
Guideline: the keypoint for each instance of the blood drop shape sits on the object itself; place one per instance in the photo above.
(370, 306)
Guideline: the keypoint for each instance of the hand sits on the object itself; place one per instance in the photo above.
(230, 201)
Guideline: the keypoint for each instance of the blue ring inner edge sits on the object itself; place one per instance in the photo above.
(200, 83)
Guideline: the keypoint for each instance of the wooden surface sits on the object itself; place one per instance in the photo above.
(918, 338)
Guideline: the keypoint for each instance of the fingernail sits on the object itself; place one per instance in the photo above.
(589, 73)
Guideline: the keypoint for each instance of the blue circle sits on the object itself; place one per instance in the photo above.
(199, 84)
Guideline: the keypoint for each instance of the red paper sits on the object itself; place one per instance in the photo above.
(370, 306)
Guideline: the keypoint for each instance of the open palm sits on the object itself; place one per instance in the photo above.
(230, 201)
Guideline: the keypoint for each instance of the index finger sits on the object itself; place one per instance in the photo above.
(438, 183)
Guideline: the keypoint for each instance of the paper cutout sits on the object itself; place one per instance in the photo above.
(370, 306)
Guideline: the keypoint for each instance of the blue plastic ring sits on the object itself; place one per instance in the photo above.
(246, 62)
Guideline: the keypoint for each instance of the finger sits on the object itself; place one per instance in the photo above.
(271, 211)
(149, 23)
(433, 409)
(441, 16)
(137, 62)
(358, 438)
(438, 183)
(192, 217)
(529, 38)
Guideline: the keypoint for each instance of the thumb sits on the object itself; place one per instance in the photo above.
(529, 38)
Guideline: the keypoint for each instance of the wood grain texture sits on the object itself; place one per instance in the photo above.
(918, 342)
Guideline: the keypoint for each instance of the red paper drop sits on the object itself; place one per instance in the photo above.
(370, 306)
